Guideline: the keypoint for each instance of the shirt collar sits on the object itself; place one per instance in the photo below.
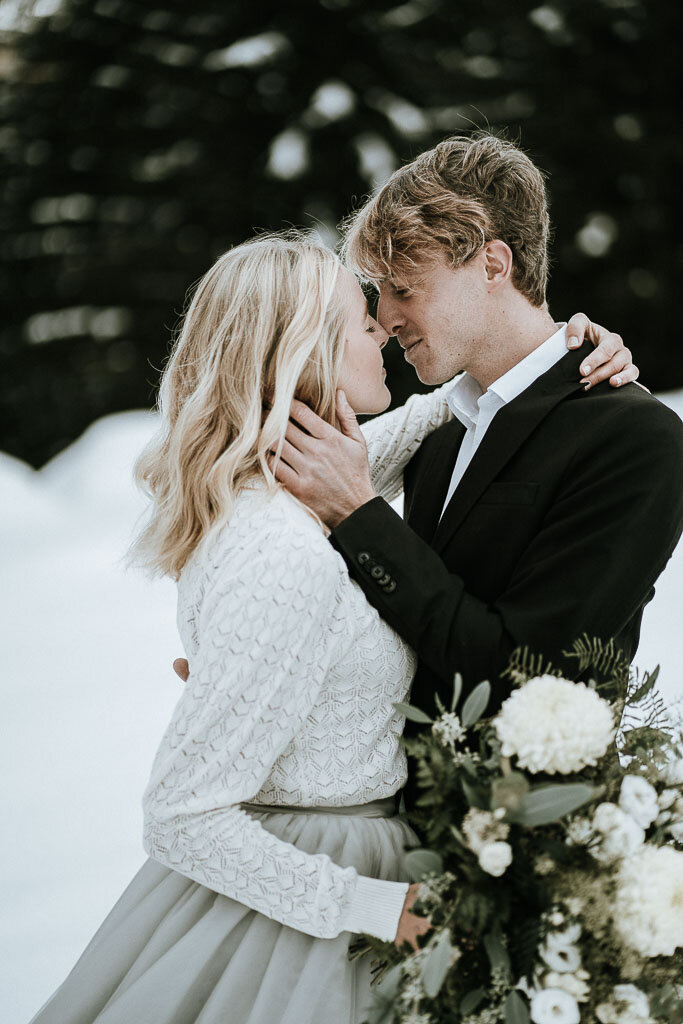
(465, 397)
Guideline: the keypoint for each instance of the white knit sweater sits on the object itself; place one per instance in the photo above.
(289, 701)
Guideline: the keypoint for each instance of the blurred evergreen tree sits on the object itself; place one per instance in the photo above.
(140, 140)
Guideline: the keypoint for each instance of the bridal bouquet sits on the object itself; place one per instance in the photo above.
(553, 863)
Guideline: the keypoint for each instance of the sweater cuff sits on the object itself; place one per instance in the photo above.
(376, 908)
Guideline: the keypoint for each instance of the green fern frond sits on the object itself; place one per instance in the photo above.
(603, 658)
(525, 665)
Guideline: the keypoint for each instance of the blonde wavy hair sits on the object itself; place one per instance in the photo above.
(264, 325)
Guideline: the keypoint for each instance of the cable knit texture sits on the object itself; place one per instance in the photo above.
(293, 676)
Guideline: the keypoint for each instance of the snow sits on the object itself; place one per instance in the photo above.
(88, 689)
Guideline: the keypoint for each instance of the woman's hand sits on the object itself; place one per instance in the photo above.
(410, 926)
(611, 359)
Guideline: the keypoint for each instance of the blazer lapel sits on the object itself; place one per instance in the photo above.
(431, 486)
(508, 431)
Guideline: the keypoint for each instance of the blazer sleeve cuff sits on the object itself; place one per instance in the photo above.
(376, 907)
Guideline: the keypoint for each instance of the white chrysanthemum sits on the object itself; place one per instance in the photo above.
(539, 724)
(554, 1006)
(448, 729)
(648, 909)
(495, 858)
(620, 836)
(639, 799)
(629, 1006)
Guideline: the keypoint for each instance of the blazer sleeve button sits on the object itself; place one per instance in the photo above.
(390, 588)
(377, 572)
(363, 557)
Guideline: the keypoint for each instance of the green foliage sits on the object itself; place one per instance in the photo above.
(594, 655)
(525, 664)
(552, 802)
(475, 704)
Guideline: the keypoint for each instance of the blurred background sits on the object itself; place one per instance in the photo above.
(138, 140)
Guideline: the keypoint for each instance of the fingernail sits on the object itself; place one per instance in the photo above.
(618, 381)
(586, 369)
(573, 342)
(587, 386)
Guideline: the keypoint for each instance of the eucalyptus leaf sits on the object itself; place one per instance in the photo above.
(422, 862)
(436, 964)
(549, 803)
(475, 705)
(471, 1001)
(414, 714)
(515, 1009)
(496, 951)
(457, 690)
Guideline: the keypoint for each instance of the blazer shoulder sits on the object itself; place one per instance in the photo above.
(630, 407)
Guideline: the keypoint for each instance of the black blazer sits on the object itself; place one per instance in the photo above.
(564, 519)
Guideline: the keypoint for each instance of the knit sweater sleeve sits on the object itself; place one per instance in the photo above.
(265, 645)
(394, 437)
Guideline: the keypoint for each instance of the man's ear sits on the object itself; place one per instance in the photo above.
(498, 262)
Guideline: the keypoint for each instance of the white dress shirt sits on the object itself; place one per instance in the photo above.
(476, 409)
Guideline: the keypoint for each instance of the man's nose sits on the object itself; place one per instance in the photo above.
(388, 316)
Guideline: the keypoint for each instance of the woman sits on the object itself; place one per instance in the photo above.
(270, 814)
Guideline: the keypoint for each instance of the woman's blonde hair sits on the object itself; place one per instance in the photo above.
(265, 325)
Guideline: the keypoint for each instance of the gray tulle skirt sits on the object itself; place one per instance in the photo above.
(172, 951)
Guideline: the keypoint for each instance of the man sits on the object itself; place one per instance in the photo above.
(545, 509)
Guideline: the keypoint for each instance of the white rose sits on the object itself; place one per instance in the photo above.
(495, 858)
(554, 1006)
(639, 799)
(629, 1006)
(620, 835)
(559, 955)
(569, 983)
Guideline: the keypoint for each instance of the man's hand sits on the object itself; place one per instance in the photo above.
(611, 359)
(410, 926)
(182, 669)
(325, 468)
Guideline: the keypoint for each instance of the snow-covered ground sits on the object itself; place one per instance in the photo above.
(87, 689)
